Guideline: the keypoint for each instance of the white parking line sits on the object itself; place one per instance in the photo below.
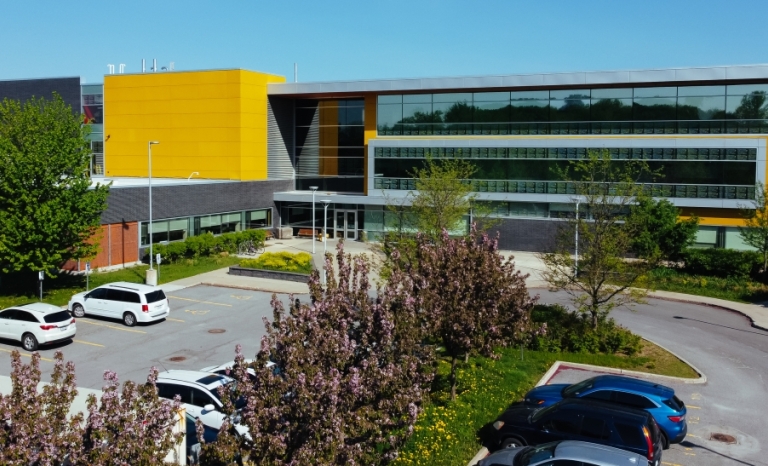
(110, 326)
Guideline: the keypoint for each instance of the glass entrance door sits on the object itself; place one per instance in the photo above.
(346, 224)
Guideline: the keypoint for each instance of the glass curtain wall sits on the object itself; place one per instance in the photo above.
(685, 172)
(93, 114)
(732, 109)
(178, 229)
(329, 144)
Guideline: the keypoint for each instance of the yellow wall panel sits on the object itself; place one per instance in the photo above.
(212, 122)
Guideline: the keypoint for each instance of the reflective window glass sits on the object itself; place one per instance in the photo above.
(574, 107)
(685, 91)
(390, 99)
(389, 115)
(530, 110)
(491, 111)
(624, 93)
(611, 109)
(747, 107)
(569, 94)
(655, 92)
(417, 98)
(529, 95)
(654, 108)
(491, 96)
(743, 89)
(414, 113)
(701, 108)
(450, 98)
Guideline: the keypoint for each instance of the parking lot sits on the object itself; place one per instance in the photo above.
(203, 328)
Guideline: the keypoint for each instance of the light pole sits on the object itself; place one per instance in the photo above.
(151, 277)
(314, 189)
(325, 234)
(576, 265)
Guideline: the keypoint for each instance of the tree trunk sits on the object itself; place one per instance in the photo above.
(466, 357)
(594, 320)
(453, 378)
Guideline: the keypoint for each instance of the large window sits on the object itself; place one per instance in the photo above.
(165, 230)
(329, 143)
(734, 109)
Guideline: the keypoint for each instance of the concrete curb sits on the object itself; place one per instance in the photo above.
(251, 288)
(483, 452)
(717, 306)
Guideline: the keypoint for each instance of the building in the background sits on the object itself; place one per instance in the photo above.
(241, 149)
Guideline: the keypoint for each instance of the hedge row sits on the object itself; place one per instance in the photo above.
(725, 263)
(282, 261)
(207, 244)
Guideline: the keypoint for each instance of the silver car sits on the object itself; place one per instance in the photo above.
(565, 452)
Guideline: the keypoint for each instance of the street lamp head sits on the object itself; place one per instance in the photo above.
(313, 188)
(154, 142)
(326, 202)
(192, 174)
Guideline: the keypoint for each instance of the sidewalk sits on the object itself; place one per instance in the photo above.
(526, 262)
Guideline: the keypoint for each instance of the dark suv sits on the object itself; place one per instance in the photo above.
(578, 419)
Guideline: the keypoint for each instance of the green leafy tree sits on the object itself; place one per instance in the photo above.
(658, 232)
(443, 195)
(606, 191)
(755, 229)
(49, 212)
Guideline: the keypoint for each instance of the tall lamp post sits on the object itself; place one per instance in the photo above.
(151, 275)
(314, 190)
(576, 264)
(325, 234)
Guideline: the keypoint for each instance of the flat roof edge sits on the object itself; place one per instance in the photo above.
(582, 78)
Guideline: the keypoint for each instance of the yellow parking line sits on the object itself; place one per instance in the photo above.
(174, 320)
(110, 326)
(670, 464)
(25, 354)
(693, 407)
(198, 301)
(88, 343)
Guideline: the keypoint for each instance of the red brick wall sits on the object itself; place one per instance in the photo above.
(118, 244)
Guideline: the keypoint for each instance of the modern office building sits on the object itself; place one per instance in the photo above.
(240, 149)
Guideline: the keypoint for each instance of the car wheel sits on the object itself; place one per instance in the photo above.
(664, 441)
(129, 319)
(29, 342)
(511, 442)
(78, 311)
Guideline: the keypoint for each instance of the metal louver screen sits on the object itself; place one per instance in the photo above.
(280, 164)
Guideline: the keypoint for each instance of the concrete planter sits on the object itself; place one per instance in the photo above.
(273, 274)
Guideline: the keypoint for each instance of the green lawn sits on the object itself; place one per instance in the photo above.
(744, 290)
(16, 290)
(450, 432)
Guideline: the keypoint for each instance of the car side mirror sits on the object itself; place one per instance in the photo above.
(209, 407)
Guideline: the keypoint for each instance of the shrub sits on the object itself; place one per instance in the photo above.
(282, 261)
(723, 263)
(572, 332)
(207, 245)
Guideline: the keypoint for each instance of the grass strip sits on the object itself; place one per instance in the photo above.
(450, 432)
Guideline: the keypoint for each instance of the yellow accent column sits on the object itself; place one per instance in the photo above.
(369, 116)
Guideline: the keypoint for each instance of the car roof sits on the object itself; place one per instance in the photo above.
(206, 379)
(140, 287)
(582, 404)
(598, 454)
(40, 308)
(630, 383)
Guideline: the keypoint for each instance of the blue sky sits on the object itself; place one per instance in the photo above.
(345, 39)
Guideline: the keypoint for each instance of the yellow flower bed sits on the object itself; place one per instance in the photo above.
(282, 261)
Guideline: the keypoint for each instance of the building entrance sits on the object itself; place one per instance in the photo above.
(346, 224)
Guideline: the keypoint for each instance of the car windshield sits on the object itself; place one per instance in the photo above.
(575, 389)
(232, 387)
(539, 413)
(533, 455)
(57, 317)
(155, 296)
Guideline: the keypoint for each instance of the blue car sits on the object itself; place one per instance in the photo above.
(660, 401)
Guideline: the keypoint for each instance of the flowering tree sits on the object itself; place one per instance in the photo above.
(34, 428)
(474, 299)
(351, 373)
(129, 428)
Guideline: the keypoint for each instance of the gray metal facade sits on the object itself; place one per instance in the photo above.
(25, 89)
(589, 78)
(280, 139)
(518, 234)
(131, 204)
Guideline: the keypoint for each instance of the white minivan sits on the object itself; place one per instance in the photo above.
(129, 302)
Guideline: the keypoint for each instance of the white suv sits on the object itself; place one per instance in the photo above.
(199, 394)
(36, 324)
(129, 302)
